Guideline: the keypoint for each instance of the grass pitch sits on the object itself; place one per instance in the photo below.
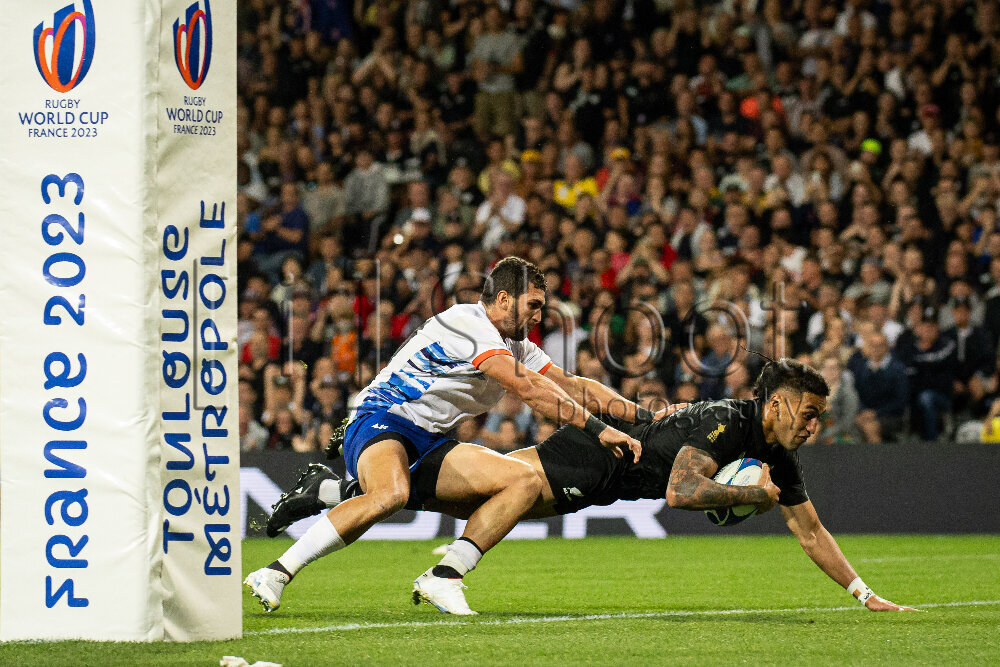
(680, 600)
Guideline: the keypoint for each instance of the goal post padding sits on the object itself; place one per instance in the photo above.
(119, 462)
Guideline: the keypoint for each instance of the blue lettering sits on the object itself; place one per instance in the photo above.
(66, 468)
(218, 549)
(93, 117)
(174, 536)
(69, 258)
(61, 425)
(175, 315)
(71, 177)
(216, 344)
(56, 239)
(215, 459)
(216, 261)
(208, 369)
(180, 284)
(175, 440)
(180, 415)
(65, 589)
(217, 221)
(185, 114)
(51, 319)
(212, 304)
(57, 370)
(215, 507)
(47, 118)
(171, 362)
(175, 253)
(63, 379)
(73, 548)
(219, 416)
(67, 498)
(185, 488)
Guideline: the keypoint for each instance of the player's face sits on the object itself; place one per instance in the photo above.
(525, 313)
(796, 417)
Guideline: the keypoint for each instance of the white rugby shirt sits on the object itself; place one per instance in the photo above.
(434, 380)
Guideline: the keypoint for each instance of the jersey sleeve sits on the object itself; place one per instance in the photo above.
(786, 473)
(532, 356)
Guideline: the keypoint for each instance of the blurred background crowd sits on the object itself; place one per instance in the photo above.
(808, 179)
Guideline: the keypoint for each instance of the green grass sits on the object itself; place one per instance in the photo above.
(521, 585)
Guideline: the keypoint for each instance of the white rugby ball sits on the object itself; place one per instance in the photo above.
(741, 472)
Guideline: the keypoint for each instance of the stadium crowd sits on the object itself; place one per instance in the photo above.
(804, 179)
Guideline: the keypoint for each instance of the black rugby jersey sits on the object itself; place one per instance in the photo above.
(726, 430)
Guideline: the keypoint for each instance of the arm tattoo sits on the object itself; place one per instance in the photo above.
(694, 490)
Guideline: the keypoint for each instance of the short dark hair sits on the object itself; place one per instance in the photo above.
(789, 374)
(514, 276)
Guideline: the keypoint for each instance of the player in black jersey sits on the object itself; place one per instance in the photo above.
(681, 453)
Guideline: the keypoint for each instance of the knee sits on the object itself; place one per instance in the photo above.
(390, 499)
(526, 478)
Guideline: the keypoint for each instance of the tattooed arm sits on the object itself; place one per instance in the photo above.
(691, 486)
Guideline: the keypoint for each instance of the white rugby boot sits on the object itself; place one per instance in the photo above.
(267, 585)
(445, 594)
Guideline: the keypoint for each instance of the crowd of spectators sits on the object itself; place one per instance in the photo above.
(810, 179)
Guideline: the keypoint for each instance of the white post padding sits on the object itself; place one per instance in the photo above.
(198, 357)
(83, 459)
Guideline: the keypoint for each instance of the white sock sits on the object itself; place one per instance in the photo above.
(462, 556)
(321, 539)
(329, 492)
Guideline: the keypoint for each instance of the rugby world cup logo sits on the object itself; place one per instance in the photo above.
(193, 44)
(63, 52)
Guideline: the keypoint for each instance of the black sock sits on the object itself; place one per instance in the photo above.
(280, 568)
(466, 539)
(445, 572)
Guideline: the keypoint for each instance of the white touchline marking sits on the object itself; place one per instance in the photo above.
(524, 620)
(893, 559)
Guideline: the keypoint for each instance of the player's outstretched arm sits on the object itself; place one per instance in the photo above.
(691, 486)
(820, 546)
(547, 399)
(603, 400)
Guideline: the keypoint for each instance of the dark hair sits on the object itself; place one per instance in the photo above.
(514, 276)
(789, 374)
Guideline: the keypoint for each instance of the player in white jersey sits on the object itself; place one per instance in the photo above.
(457, 365)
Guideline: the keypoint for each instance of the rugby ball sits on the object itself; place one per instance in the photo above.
(741, 472)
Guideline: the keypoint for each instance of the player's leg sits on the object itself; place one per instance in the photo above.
(504, 489)
(542, 509)
(545, 505)
(383, 472)
(569, 463)
(508, 487)
(318, 487)
(559, 448)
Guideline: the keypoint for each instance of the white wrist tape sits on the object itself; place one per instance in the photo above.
(859, 590)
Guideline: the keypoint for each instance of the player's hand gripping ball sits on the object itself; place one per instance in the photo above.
(741, 472)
